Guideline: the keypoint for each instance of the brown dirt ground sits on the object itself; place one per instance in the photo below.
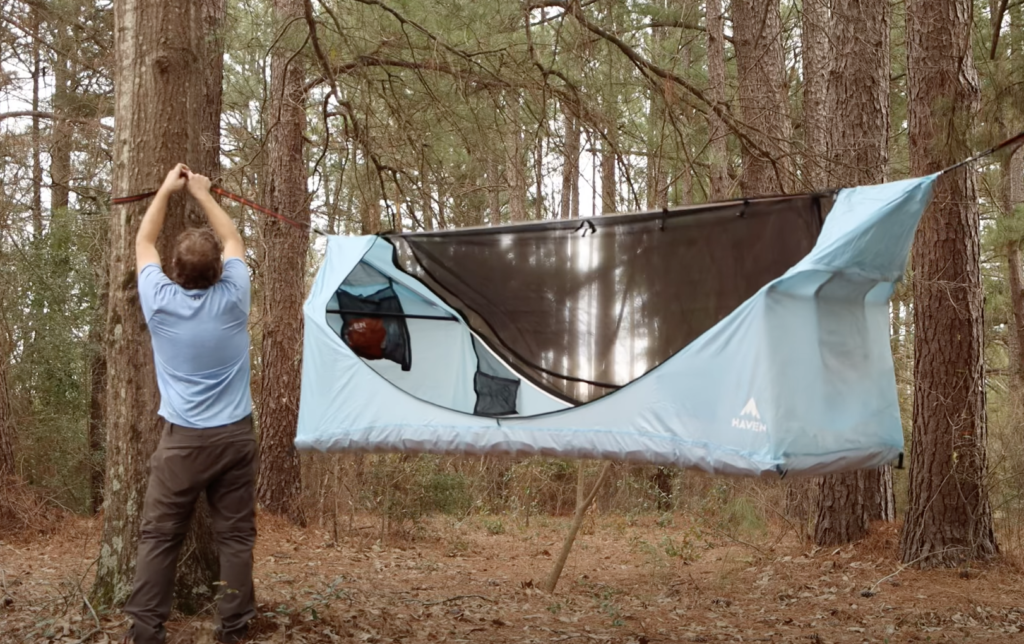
(475, 581)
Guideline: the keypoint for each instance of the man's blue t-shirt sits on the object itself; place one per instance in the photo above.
(200, 345)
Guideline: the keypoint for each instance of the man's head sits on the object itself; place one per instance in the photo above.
(196, 263)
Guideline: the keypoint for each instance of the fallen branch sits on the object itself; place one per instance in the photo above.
(451, 599)
(911, 563)
(88, 636)
(92, 610)
(581, 512)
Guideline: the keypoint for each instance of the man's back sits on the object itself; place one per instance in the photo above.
(201, 345)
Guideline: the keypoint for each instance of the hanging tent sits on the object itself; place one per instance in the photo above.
(744, 337)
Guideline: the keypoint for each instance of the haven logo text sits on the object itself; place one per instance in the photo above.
(750, 418)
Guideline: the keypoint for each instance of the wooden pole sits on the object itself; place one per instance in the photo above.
(581, 511)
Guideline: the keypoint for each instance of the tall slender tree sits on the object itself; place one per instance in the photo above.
(157, 66)
(570, 205)
(515, 158)
(718, 144)
(949, 518)
(1009, 115)
(282, 273)
(7, 429)
(1012, 196)
(814, 41)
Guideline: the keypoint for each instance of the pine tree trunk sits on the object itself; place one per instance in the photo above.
(949, 519)
(763, 96)
(609, 187)
(816, 59)
(7, 429)
(1013, 197)
(97, 393)
(657, 145)
(516, 165)
(657, 133)
(207, 20)
(494, 181)
(1013, 194)
(801, 500)
(570, 208)
(60, 137)
(538, 167)
(283, 278)
(156, 67)
(718, 148)
(37, 152)
(858, 143)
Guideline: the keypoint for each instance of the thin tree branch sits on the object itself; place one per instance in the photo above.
(54, 117)
(648, 68)
(997, 27)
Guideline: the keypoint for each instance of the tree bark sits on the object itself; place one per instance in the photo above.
(37, 165)
(763, 95)
(538, 164)
(949, 519)
(816, 60)
(97, 393)
(609, 187)
(282, 276)
(1012, 197)
(7, 429)
(858, 143)
(156, 66)
(61, 133)
(657, 132)
(570, 207)
(718, 144)
(516, 165)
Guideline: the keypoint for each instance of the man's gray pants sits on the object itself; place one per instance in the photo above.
(223, 462)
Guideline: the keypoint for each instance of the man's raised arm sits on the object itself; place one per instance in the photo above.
(199, 188)
(153, 221)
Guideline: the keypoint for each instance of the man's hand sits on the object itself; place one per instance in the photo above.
(153, 221)
(175, 179)
(198, 185)
(199, 188)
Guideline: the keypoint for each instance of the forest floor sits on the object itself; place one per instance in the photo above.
(639, 580)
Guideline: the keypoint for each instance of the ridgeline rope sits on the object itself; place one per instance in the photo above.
(1017, 139)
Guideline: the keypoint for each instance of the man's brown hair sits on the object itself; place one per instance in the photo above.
(197, 263)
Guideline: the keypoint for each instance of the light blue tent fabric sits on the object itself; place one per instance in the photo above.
(798, 380)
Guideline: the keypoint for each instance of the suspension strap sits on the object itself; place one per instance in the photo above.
(1013, 140)
(116, 201)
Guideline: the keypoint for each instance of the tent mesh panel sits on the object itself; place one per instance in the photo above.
(584, 307)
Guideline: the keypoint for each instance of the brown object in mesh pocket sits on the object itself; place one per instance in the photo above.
(366, 337)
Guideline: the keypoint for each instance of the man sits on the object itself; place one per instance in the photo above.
(197, 313)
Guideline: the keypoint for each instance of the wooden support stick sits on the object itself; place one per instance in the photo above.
(581, 511)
